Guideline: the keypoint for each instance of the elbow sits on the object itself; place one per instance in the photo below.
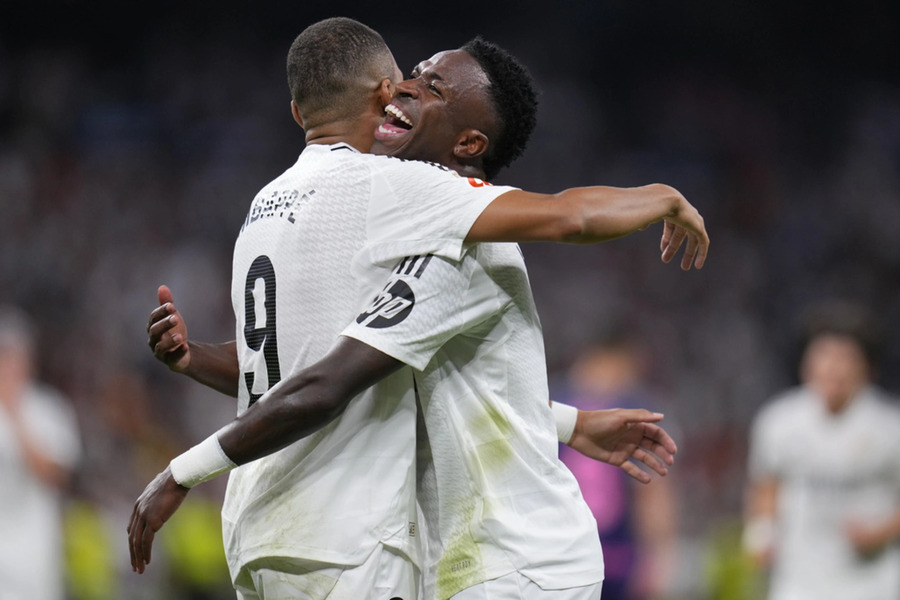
(321, 400)
(305, 402)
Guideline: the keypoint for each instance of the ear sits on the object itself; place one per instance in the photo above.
(386, 91)
(295, 110)
(471, 143)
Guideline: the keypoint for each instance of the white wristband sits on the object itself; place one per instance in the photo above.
(201, 463)
(759, 534)
(565, 416)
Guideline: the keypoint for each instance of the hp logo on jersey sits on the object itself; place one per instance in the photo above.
(390, 307)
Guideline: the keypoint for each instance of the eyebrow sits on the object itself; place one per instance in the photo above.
(417, 71)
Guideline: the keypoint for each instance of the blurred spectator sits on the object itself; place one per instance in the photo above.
(39, 447)
(133, 435)
(638, 523)
(823, 505)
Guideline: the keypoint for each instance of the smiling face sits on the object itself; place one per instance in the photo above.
(436, 110)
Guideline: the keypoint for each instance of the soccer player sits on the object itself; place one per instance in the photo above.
(824, 490)
(40, 448)
(283, 502)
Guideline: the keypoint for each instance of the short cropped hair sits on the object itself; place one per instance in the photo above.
(844, 319)
(329, 63)
(513, 94)
(17, 330)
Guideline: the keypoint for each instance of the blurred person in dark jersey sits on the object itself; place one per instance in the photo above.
(638, 524)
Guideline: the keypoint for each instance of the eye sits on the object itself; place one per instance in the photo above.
(433, 88)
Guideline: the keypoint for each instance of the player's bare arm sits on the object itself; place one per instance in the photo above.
(601, 442)
(869, 539)
(213, 365)
(41, 463)
(296, 407)
(759, 520)
(590, 215)
(305, 402)
(617, 436)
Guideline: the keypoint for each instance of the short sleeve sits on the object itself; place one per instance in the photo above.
(53, 422)
(764, 450)
(419, 208)
(425, 301)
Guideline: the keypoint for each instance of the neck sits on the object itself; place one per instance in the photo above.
(466, 169)
(358, 133)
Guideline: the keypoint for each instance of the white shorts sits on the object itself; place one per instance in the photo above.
(386, 574)
(516, 586)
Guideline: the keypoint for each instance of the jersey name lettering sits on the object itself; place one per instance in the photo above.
(284, 204)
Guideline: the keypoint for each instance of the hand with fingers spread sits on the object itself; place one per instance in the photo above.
(616, 436)
(159, 501)
(168, 333)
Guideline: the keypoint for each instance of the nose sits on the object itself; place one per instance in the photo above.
(407, 88)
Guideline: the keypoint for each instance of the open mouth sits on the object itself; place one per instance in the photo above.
(395, 123)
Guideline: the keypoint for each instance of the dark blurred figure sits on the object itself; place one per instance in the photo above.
(39, 447)
(823, 501)
(637, 522)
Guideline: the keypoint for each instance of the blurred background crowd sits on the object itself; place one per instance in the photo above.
(132, 142)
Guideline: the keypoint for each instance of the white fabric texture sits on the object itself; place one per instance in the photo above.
(565, 416)
(832, 470)
(200, 463)
(489, 475)
(30, 511)
(331, 497)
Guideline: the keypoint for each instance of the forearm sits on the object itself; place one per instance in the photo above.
(606, 213)
(890, 529)
(296, 407)
(215, 366)
(577, 215)
(43, 467)
(758, 538)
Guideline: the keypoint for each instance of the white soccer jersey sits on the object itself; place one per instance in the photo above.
(31, 555)
(489, 478)
(334, 495)
(832, 470)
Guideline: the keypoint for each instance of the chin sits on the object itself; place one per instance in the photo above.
(389, 146)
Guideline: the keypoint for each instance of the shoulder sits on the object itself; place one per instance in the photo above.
(886, 405)
(45, 404)
(401, 167)
(418, 170)
(787, 404)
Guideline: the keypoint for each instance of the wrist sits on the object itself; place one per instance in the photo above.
(759, 534)
(185, 365)
(673, 198)
(566, 417)
(201, 463)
